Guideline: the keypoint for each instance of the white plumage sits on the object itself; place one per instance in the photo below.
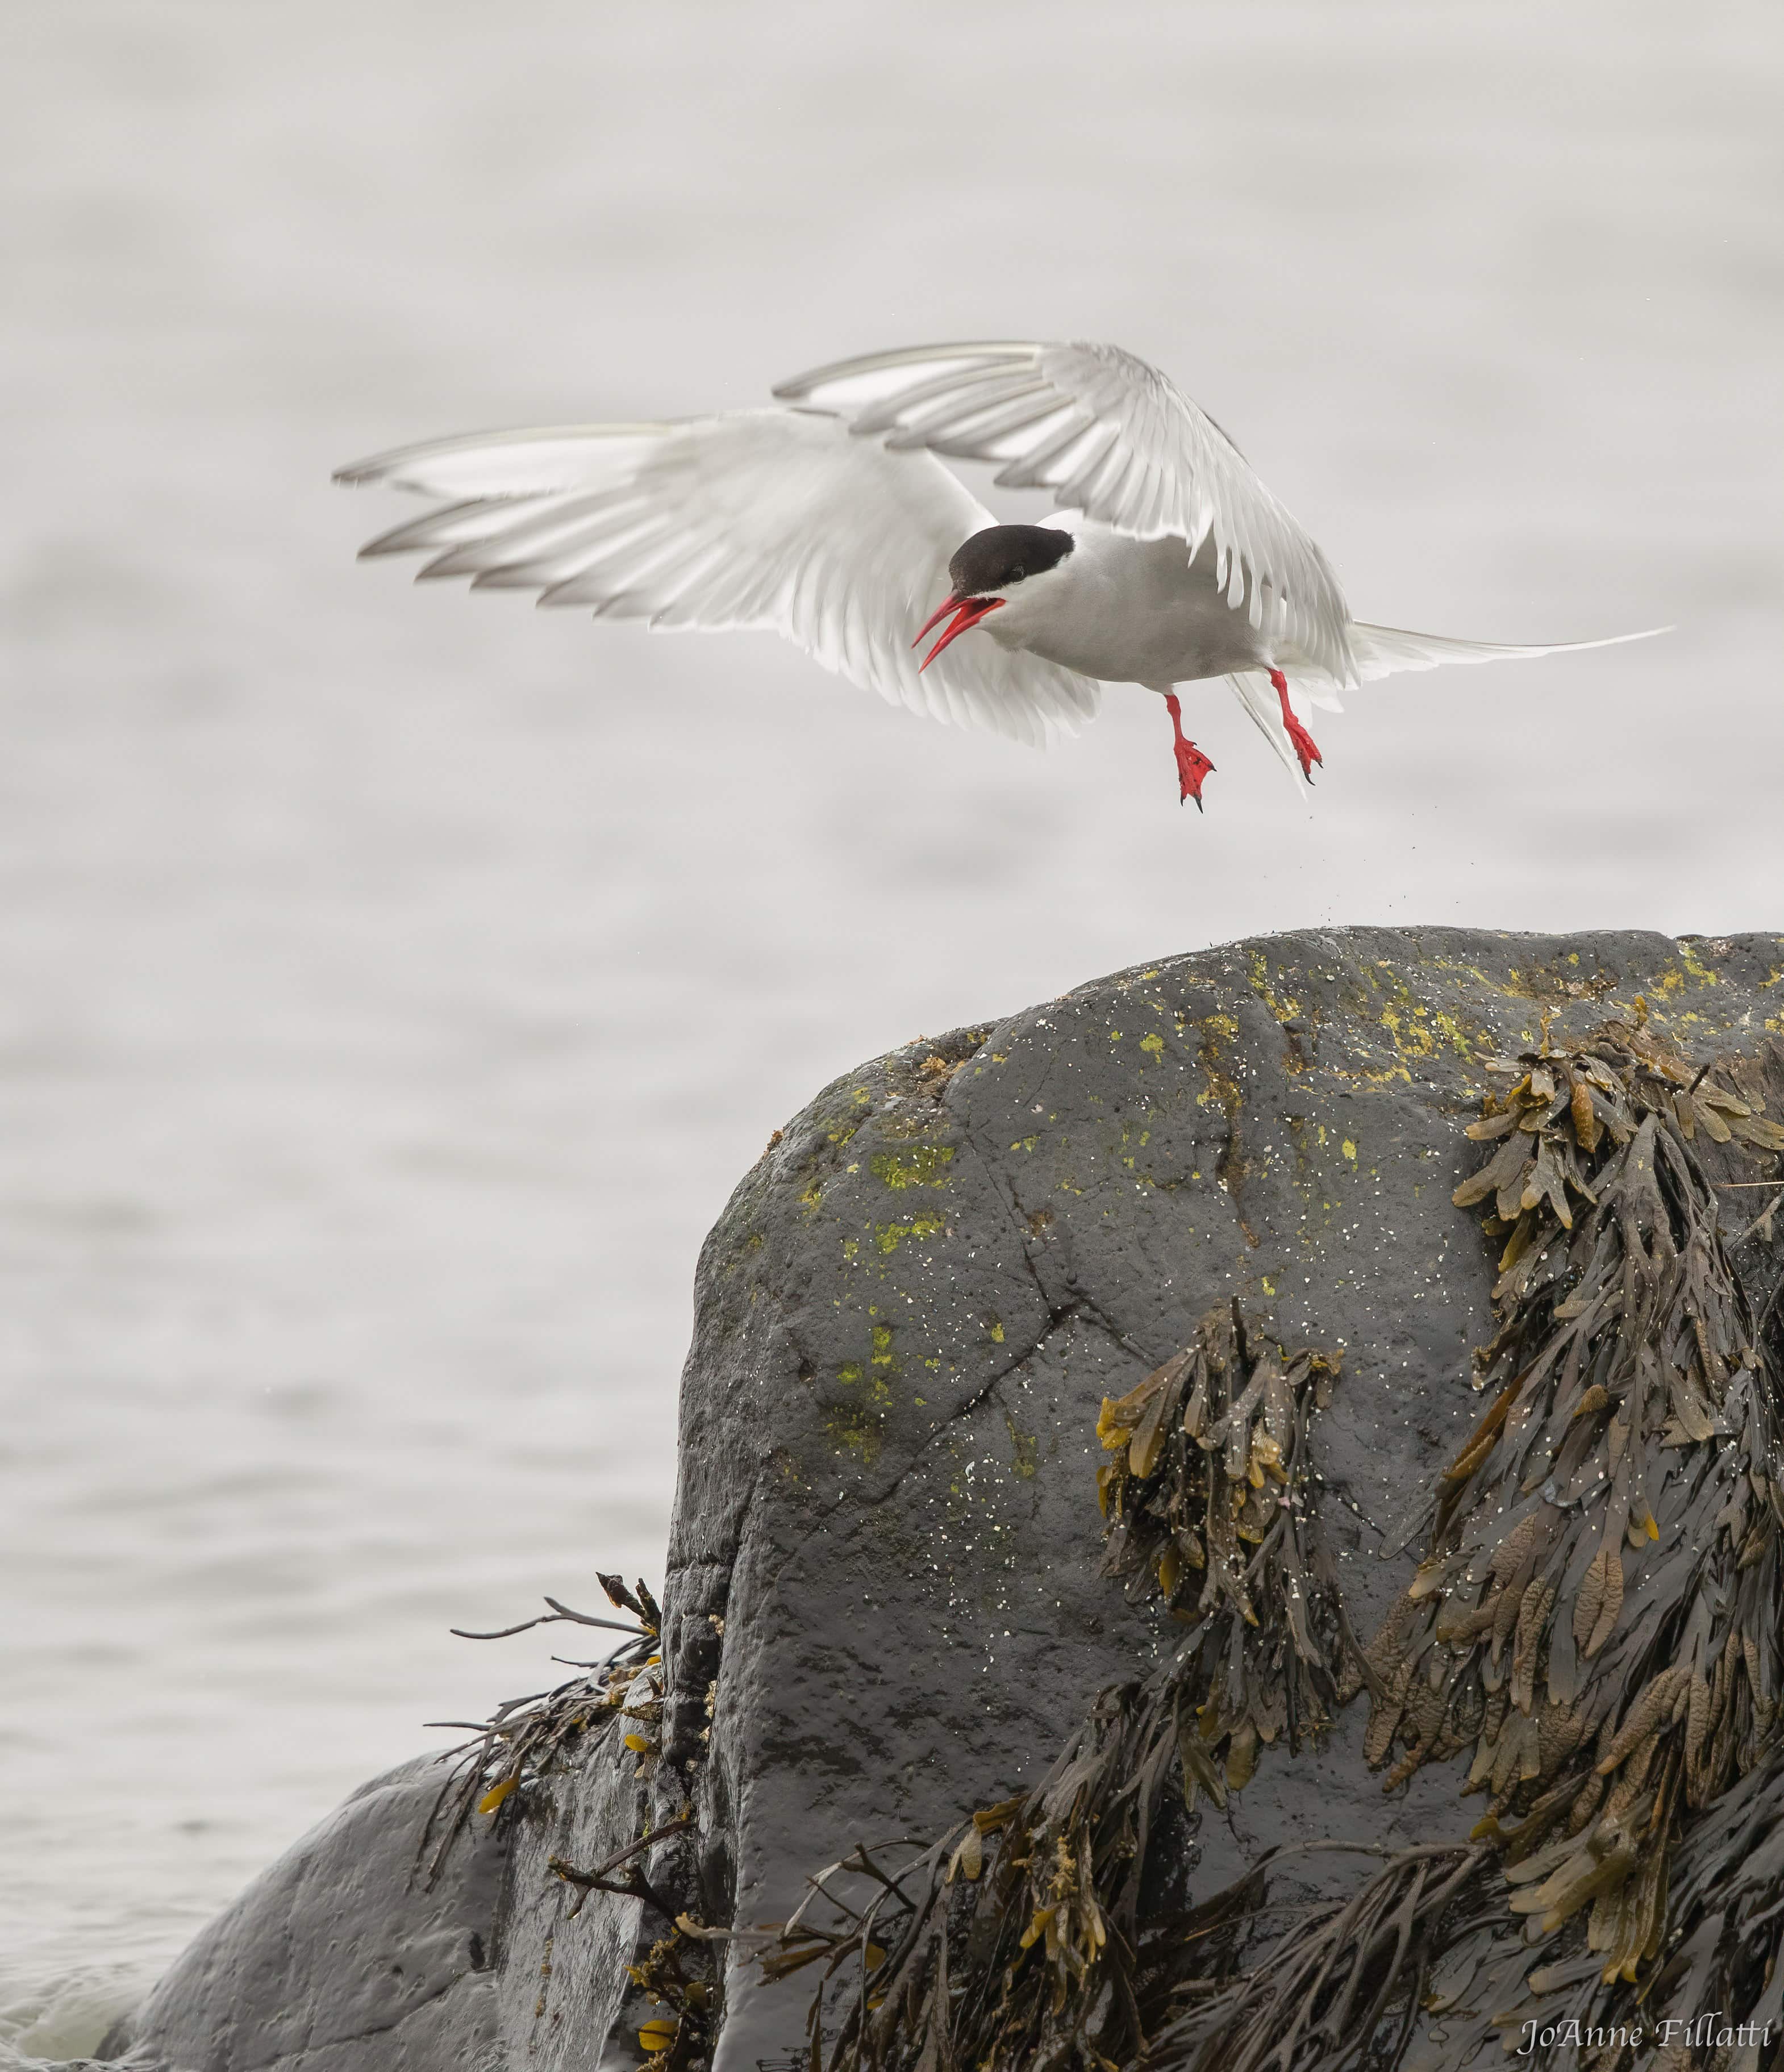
(770, 519)
(1113, 438)
(830, 520)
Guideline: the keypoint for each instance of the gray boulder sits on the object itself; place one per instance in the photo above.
(338, 1956)
(883, 1605)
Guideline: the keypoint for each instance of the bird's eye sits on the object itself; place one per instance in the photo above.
(1016, 575)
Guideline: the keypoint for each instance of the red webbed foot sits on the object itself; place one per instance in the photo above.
(1300, 739)
(1192, 765)
(1304, 745)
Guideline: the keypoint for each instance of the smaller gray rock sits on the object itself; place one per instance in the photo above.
(345, 1953)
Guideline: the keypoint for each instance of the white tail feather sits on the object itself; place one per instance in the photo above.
(1254, 691)
(1381, 651)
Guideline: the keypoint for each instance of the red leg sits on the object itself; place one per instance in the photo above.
(1304, 743)
(1192, 765)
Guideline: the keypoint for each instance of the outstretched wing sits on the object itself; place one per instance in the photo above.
(1111, 437)
(772, 519)
(1381, 651)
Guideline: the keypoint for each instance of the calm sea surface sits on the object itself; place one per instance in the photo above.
(392, 983)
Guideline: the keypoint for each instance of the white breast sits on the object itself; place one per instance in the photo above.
(1133, 611)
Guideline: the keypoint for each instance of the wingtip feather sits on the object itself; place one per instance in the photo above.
(991, 350)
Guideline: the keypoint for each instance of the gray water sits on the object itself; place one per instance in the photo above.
(395, 982)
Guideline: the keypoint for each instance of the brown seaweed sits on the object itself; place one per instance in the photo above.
(1595, 1619)
(524, 1739)
(1021, 1937)
(1324, 1990)
(1594, 1624)
(1207, 1496)
(616, 1705)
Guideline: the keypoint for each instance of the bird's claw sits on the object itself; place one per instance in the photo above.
(1304, 745)
(1192, 767)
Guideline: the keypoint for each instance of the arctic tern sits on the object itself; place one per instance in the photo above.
(829, 519)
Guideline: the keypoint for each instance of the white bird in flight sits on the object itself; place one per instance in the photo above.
(830, 520)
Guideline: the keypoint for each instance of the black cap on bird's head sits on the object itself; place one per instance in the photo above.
(1002, 555)
(991, 561)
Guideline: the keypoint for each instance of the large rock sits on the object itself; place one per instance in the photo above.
(883, 1605)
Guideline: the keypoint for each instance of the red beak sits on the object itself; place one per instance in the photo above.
(967, 611)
